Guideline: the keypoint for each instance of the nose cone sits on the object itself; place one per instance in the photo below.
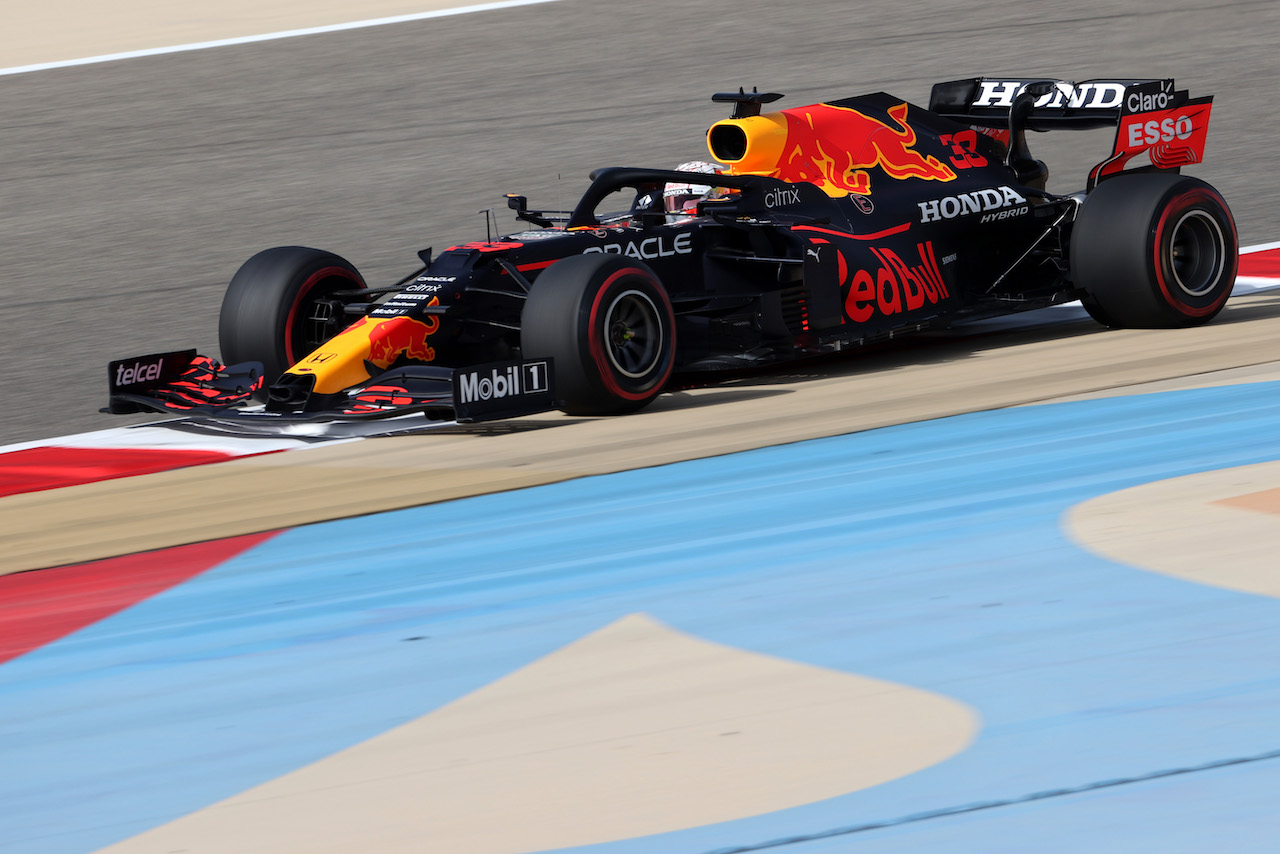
(340, 362)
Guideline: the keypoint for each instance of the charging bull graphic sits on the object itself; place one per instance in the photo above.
(834, 147)
(340, 362)
(402, 336)
(830, 146)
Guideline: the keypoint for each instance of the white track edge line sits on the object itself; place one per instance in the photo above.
(283, 34)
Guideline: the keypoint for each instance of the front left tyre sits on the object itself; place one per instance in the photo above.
(282, 304)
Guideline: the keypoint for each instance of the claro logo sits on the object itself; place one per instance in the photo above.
(514, 380)
(896, 286)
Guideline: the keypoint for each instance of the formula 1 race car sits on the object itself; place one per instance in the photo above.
(823, 228)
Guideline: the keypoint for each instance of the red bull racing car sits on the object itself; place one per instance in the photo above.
(824, 228)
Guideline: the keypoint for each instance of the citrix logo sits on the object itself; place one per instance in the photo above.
(782, 196)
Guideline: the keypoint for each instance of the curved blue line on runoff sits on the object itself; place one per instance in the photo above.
(929, 554)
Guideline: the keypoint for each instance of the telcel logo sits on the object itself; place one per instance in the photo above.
(139, 372)
(528, 378)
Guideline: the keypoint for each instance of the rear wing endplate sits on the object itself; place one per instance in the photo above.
(1151, 116)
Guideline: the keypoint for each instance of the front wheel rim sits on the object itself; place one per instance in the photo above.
(311, 321)
(633, 334)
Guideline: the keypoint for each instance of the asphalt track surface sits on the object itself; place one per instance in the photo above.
(133, 190)
(125, 177)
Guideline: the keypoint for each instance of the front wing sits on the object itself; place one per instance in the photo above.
(200, 388)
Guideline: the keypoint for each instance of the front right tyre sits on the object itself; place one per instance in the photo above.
(608, 324)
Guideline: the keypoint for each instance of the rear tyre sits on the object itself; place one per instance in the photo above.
(608, 324)
(280, 306)
(1154, 250)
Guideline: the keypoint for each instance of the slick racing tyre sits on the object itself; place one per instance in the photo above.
(281, 305)
(1154, 250)
(608, 324)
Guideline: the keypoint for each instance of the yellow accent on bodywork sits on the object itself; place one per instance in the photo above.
(340, 362)
(766, 136)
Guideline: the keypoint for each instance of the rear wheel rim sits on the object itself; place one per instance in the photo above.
(633, 334)
(1196, 253)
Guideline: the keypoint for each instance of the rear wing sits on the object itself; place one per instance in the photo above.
(1151, 117)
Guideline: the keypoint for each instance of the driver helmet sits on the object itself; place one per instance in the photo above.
(682, 198)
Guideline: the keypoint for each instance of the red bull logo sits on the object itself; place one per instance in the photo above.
(402, 336)
(832, 147)
(339, 363)
(895, 287)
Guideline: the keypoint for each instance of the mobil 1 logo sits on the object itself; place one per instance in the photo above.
(503, 390)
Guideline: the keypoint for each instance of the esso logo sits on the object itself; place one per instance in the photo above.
(1165, 130)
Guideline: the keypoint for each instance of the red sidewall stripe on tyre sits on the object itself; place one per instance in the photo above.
(307, 287)
(597, 346)
(1170, 300)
